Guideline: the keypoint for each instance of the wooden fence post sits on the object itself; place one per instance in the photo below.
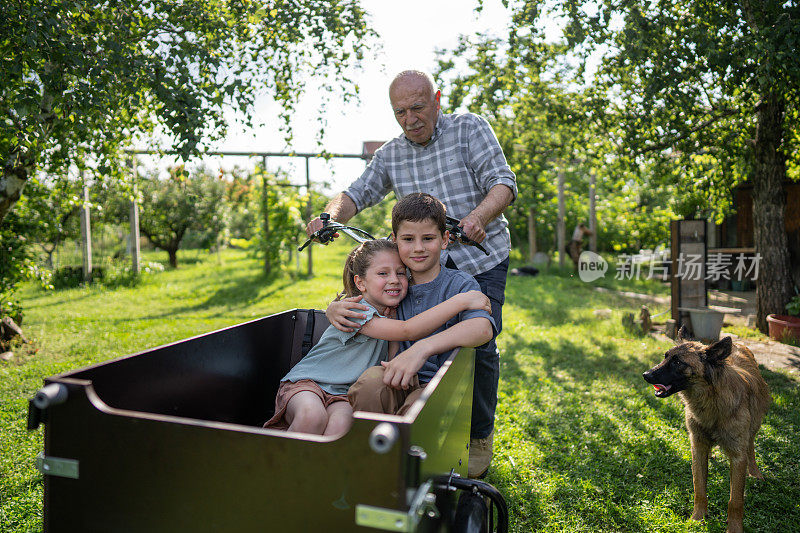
(267, 265)
(592, 211)
(308, 217)
(560, 228)
(86, 232)
(531, 234)
(135, 249)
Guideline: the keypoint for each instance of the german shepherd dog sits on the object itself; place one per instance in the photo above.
(725, 399)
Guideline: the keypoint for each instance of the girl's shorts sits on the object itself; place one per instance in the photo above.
(288, 389)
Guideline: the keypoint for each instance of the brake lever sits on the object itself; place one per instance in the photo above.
(330, 229)
(323, 235)
(457, 235)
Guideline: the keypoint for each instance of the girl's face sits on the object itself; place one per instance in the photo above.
(385, 283)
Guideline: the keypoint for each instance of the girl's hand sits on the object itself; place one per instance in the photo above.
(476, 300)
(340, 312)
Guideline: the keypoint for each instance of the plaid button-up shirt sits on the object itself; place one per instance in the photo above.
(460, 164)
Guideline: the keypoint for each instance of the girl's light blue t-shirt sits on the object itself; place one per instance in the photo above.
(339, 358)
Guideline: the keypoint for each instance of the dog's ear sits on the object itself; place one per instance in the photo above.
(719, 350)
(682, 336)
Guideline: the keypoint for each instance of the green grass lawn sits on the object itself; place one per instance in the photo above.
(581, 442)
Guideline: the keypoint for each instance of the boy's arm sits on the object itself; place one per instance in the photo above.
(469, 333)
(341, 312)
(426, 322)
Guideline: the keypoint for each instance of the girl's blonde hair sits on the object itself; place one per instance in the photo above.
(359, 261)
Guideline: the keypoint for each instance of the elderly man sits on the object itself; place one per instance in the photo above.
(457, 159)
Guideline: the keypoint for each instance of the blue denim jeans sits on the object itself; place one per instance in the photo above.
(487, 357)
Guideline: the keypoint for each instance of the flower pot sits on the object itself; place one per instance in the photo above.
(783, 326)
(706, 323)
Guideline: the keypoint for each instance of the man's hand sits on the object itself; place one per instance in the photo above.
(474, 227)
(314, 226)
(399, 372)
(340, 312)
(341, 209)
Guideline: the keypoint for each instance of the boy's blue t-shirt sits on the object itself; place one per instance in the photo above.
(337, 360)
(422, 297)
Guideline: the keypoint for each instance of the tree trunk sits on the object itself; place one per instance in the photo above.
(774, 285)
(173, 257)
(12, 182)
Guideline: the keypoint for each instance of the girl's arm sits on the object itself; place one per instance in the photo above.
(426, 322)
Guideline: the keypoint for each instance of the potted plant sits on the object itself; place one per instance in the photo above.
(786, 327)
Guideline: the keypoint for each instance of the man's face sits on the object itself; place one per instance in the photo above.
(420, 244)
(415, 108)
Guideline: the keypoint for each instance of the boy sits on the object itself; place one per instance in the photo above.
(418, 228)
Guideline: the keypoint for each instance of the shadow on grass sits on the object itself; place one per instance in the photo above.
(614, 457)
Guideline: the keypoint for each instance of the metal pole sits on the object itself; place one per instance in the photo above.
(267, 266)
(308, 216)
(531, 234)
(135, 249)
(592, 211)
(86, 232)
(560, 228)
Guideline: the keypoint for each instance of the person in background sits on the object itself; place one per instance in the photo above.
(575, 245)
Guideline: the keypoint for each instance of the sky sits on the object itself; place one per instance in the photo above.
(409, 33)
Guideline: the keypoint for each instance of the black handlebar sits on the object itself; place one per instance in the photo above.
(330, 230)
(457, 235)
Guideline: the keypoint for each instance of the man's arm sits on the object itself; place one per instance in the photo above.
(497, 199)
(469, 333)
(341, 208)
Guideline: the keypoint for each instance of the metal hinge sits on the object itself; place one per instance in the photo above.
(56, 466)
(424, 504)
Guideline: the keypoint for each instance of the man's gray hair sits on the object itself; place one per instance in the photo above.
(416, 74)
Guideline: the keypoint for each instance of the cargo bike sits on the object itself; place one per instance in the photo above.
(170, 439)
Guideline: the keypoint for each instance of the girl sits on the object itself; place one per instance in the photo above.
(312, 397)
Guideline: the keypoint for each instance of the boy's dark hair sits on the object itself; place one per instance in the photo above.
(416, 207)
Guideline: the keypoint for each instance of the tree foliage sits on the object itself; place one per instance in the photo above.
(550, 126)
(52, 209)
(80, 78)
(708, 91)
(172, 206)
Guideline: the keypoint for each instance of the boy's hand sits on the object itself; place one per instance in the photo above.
(399, 372)
(476, 300)
(340, 312)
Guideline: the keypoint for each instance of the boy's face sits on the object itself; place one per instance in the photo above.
(420, 245)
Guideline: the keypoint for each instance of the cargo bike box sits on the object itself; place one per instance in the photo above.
(170, 439)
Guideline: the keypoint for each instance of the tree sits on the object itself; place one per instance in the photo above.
(549, 125)
(710, 89)
(81, 78)
(51, 208)
(171, 206)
